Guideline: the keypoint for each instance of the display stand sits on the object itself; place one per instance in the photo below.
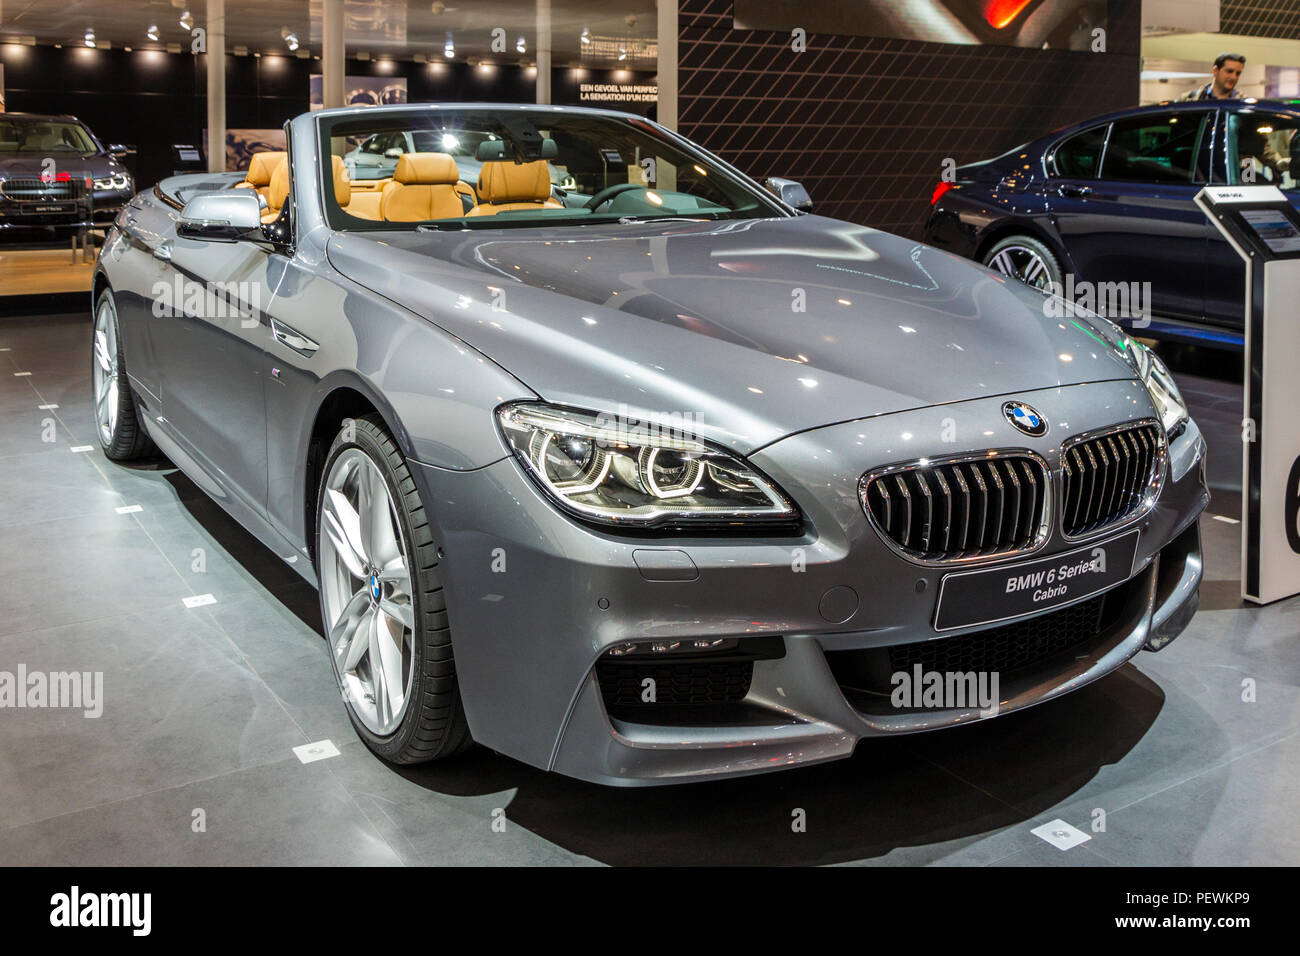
(1262, 225)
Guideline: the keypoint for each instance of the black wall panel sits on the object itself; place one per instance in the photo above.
(866, 122)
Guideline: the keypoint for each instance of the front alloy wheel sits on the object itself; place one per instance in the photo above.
(382, 604)
(367, 592)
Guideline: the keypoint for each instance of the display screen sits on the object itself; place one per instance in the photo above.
(1273, 228)
(188, 155)
(1038, 24)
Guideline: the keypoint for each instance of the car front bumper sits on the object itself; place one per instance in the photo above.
(535, 600)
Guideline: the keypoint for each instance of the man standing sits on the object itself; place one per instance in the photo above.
(1227, 71)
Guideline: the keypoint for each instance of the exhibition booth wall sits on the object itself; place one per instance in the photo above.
(866, 122)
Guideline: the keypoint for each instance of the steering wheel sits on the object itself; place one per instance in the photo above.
(608, 193)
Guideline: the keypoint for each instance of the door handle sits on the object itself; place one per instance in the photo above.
(1074, 190)
(291, 338)
(163, 251)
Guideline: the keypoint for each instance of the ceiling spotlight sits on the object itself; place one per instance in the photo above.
(152, 32)
(521, 46)
(187, 20)
(291, 41)
(449, 50)
(586, 36)
(90, 39)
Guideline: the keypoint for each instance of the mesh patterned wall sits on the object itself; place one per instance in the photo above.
(1261, 18)
(866, 122)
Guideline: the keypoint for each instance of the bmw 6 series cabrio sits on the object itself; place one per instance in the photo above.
(650, 477)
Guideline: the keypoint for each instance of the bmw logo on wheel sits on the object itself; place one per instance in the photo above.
(1025, 418)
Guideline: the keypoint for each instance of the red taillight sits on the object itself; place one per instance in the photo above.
(939, 191)
(999, 13)
(63, 177)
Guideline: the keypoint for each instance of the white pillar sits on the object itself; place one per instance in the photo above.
(544, 51)
(667, 112)
(332, 60)
(216, 40)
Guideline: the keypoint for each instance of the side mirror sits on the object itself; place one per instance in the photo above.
(222, 217)
(789, 192)
(394, 153)
(117, 150)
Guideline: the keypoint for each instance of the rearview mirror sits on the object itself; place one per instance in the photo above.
(790, 192)
(117, 150)
(222, 217)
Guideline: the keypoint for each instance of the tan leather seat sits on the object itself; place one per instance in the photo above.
(342, 183)
(277, 193)
(423, 187)
(260, 170)
(503, 186)
(366, 195)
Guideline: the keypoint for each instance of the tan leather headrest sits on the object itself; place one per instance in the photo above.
(263, 165)
(342, 185)
(279, 188)
(502, 182)
(426, 169)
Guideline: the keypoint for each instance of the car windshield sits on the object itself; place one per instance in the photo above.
(450, 168)
(43, 136)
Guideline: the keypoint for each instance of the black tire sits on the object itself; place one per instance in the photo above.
(434, 724)
(127, 439)
(1016, 249)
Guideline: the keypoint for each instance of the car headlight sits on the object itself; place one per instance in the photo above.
(117, 182)
(638, 475)
(1160, 384)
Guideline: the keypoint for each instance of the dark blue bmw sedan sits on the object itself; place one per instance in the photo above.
(1108, 204)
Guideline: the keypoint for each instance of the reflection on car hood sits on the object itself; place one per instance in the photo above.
(758, 328)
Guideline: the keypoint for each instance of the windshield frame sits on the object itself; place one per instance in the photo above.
(768, 206)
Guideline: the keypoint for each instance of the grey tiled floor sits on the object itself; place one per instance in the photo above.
(204, 706)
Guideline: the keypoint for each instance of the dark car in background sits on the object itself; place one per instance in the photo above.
(1111, 200)
(54, 172)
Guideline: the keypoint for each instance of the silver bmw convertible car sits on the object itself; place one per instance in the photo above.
(659, 479)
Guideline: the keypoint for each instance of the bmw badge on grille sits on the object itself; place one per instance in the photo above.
(1025, 418)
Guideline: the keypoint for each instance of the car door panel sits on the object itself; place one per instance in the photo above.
(211, 346)
(1126, 226)
(140, 228)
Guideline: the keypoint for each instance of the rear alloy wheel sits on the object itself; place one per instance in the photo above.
(382, 602)
(117, 423)
(1026, 260)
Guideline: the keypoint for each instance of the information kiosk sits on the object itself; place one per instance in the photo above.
(1264, 228)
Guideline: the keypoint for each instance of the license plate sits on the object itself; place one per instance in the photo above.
(991, 595)
(52, 207)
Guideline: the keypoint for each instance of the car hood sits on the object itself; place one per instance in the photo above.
(755, 328)
(31, 165)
